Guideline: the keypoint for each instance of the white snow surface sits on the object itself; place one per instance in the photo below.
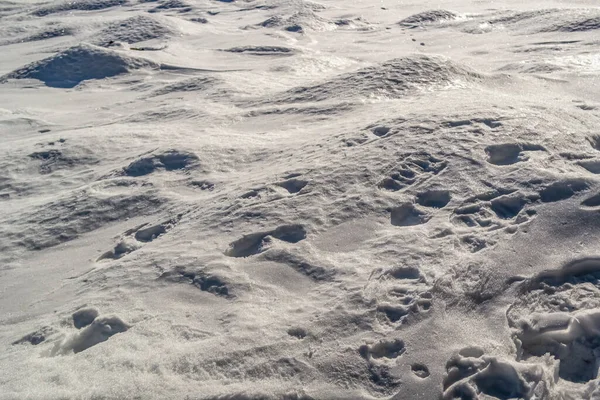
(288, 199)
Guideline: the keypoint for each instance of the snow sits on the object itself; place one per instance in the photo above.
(290, 199)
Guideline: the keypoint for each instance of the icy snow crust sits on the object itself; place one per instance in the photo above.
(263, 199)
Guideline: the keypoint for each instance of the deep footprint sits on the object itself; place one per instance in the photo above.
(120, 250)
(170, 160)
(407, 215)
(404, 273)
(414, 168)
(434, 198)
(508, 207)
(563, 190)
(293, 185)
(420, 370)
(388, 349)
(252, 244)
(593, 201)
(393, 313)
(35, 338)
(509, 153)
(151, 233)
(205, 282)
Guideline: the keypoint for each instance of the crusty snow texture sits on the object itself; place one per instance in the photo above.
(288, 199)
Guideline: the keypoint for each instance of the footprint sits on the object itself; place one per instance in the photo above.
(149, 234)
(593, 201)
(251, 194)
(509, 153)
(355, 141)
(122, 248)
(404, 273)
(301, 264)
(383, 349)
(413, 168)
(592, 166)
(407, 215)
(169, 160)
(434, 198)
(66, 157)
(471, 352)
(474, 243)
(420, 370)
(390, 184)
(293, 185)
(400, 293)
(563, 190)
(575, 156)
(393, 313)
(381, 131)
(205, 282)
(203, 185)
(503, 154)
(297, 332)
(489, 122)
(494, 210)
(141, 235)
(472, 215)
(37, 337)
(252, 244)
(508, 207)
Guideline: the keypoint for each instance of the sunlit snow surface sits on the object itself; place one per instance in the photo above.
(250, 199)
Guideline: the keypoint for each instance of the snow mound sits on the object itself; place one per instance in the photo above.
(575, 21)
(8, 7)
(133, 30)
(50, 34)
(44, 34)
(301, 21)
(532, 67)
(303, 4)
(86, 5)
(200, 84)
(356, 23)
(307, 20)
(392, 79)
(550, 20)
(172, 5)
(77, 64)
(428, 17)
(515, 17)
(83, 211)
(287, 5)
